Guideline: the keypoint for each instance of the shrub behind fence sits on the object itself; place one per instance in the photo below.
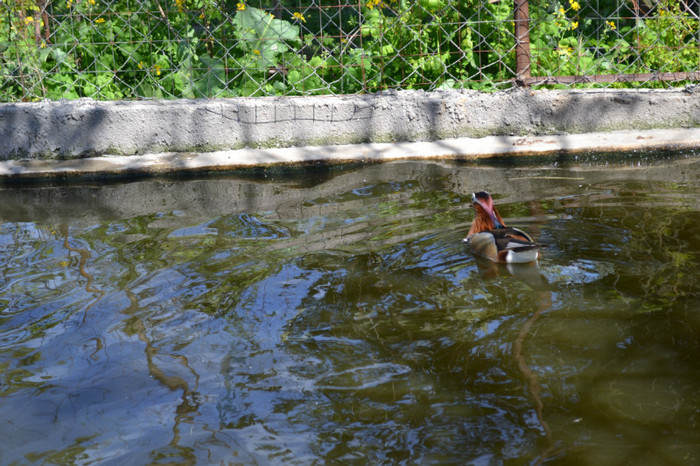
(127, 49)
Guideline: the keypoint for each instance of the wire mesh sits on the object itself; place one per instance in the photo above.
(646, 40)
(135, 49)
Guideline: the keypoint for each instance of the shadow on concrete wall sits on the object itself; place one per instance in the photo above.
(77, 129)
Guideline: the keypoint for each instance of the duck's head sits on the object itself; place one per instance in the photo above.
(486, 211)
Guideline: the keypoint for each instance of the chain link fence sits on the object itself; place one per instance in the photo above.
(135, 49)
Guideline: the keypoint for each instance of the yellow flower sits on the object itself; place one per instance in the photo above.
(240, 6)
(574, 5)
(300, 17)
(140, 65)
(256, 51)
(156, 68)
(611, 24)
(574, 24)
(561, 11)
(100, 20)
(91, 2)
(564, 52)
(28, 19)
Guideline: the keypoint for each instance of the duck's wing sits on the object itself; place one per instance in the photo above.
(508, 245)
(483, 244)
(509, 238)
(515, 246)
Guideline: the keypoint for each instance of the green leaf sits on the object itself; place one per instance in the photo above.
(586, 63)
(251, 88)
(432, 5)
(257, 25)
(386, 50)
(269, 53)
(317, 61)
(448, 84)
(279, 87)
(372, 24)
(213, 79)
(568, 42)
(294, 76)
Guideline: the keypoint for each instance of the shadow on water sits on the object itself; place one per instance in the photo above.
(336, 317)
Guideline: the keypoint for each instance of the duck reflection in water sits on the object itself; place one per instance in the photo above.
(502, 250)
(529, 273)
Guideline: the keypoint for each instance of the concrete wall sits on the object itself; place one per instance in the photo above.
(74, 129)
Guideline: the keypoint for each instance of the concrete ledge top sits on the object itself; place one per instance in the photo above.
(456, 148)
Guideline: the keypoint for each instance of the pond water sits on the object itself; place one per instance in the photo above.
(334, 316)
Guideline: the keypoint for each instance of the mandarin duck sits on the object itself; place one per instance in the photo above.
(489, 236)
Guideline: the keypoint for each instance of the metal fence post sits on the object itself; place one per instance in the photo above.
(521, 18)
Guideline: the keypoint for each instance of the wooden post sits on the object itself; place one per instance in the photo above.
(521, 17)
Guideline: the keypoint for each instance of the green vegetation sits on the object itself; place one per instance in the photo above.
(124, 49)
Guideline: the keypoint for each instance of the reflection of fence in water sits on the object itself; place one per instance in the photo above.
(199, 48)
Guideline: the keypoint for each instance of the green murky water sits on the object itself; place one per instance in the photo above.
(335, 317)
